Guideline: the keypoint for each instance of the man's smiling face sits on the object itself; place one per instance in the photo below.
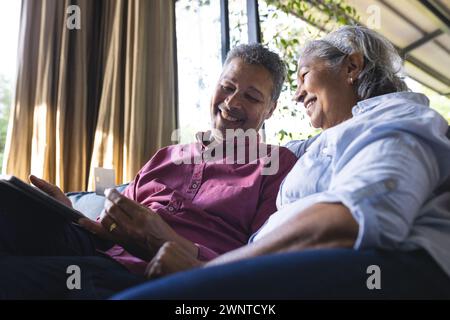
(243, 97)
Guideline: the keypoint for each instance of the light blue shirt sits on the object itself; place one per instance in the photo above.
(383, 165)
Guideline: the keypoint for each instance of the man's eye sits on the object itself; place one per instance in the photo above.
(251, 98)
(227, 89)
(304, 74)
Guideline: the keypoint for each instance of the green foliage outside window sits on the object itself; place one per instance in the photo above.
(5, 103)
(293, 22)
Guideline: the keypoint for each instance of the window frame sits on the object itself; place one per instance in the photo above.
(254, 36)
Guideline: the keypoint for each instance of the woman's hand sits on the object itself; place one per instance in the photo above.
(128, 223)
(50, 189)
(171, 258)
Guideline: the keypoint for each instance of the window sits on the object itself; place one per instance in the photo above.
(289, 120)
(438, 102)
(199, 63)
(9, 34)
(199, 42)
(238, 22)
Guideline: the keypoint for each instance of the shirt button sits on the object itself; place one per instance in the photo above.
(390, 184)
(325, 150)
(194, 186)
(171, 208)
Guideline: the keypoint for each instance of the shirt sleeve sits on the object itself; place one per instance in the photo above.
(384, 186)
(299, 147)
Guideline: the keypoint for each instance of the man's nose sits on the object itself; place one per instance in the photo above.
(233, 101)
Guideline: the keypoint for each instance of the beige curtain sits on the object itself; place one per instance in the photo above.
(137, 113)
(99, 96)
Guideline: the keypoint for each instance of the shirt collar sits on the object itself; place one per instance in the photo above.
(368, 104)
(205, 138)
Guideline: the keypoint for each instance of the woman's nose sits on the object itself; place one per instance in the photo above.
(299, 95)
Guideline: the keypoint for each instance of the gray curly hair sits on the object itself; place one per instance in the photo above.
(382, 64)
(257, 54)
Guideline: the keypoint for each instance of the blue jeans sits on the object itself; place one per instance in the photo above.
(312, 274)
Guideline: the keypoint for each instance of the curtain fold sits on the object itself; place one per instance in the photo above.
(137, 111)
(101, 96)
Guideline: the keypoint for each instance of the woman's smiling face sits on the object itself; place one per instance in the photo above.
(326, 93)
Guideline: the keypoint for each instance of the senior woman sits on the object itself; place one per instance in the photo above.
(357, 216)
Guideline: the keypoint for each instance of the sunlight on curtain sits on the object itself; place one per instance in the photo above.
(39, 143)
(101, 96)
(137, 108)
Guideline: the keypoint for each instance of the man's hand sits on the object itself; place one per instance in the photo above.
(131, 225)
(50, 189)
(171, 258)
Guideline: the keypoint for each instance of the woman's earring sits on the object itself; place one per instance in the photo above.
(351, 80)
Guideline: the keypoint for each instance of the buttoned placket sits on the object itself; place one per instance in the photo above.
(192, 189)
(196, 179)
(194, 185)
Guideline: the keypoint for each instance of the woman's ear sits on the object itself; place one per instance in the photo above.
(272, 108)
(355, 64)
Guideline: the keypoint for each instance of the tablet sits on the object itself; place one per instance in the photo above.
(36, 195)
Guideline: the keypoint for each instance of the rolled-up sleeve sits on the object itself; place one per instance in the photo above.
(384, 185)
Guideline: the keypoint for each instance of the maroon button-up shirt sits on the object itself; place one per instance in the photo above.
(215, 203)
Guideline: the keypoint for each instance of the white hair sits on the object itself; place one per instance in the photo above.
(257, 54)
(382, 68)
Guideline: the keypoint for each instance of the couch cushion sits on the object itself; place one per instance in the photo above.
(89, 203)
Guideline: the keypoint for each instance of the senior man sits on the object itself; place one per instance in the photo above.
(208, 197)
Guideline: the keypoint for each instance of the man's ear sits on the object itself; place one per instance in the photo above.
(355, 64)
(272, 108)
